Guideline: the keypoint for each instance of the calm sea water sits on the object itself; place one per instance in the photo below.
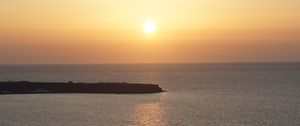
(228, 94)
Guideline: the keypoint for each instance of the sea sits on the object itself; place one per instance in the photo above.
(199, 94)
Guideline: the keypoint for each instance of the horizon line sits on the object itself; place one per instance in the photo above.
(132, 63)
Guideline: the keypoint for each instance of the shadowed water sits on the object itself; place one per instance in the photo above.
(197, 94)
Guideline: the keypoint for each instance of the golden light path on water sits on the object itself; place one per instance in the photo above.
(150, 113)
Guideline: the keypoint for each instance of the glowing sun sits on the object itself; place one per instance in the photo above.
(149, 27)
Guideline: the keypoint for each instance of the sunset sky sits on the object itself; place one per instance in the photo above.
(113, 31)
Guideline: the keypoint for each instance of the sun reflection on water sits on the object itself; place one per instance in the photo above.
(149, 114)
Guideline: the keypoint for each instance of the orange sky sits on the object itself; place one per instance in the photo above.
(111, 31)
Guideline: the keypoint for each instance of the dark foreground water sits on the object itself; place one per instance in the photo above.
(230, 94)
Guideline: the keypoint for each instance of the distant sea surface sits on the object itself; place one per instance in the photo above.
(208, 94)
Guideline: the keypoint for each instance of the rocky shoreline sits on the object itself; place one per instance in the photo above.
(26, 87)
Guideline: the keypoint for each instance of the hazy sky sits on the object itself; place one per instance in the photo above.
(111, 31)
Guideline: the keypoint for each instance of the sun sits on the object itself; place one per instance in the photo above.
(149, 27)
